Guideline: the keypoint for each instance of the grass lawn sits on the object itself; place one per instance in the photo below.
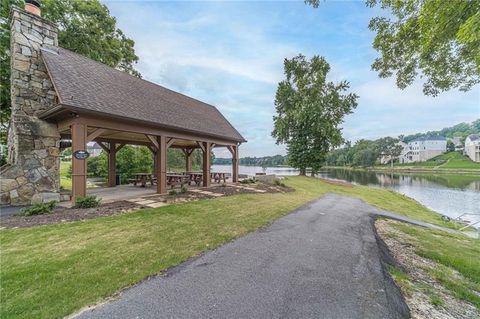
(450, 160)
(65, 182)
(457, 160)
(457, 259)
(52, 271)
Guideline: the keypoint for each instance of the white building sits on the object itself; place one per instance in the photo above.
(472, 147)
(424, 148)
(94, 149)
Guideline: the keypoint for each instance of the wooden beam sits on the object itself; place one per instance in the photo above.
(206, 164)
(79, 166)
(201, 145)
(105, 147)
(95, 134)
(112, 165)
(161, 165)
(235, 162)
(119, 147)
(125, 125)
(150, 147)
(153, 140)
(231, 149)
(170, 142)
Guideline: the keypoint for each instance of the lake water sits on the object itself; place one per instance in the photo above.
(449, 195)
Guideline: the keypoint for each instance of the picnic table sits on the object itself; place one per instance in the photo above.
(142, 178)
(178, 178)
(218, 177)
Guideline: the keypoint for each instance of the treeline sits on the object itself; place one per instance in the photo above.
(363, 153)
(461, 130)
(265, 161)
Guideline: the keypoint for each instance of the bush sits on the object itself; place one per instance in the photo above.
(183, 190)
(278, 182)
(172, 192)
(87, 202)
(248, 181)
(39, 209)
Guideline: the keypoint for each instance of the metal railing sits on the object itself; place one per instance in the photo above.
(459, 218)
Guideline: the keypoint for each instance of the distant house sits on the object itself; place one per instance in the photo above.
(94, 149)
(472, 147)
(457, 142)
(424, 148)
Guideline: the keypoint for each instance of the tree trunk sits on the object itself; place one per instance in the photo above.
(303, 172)
(312, 173)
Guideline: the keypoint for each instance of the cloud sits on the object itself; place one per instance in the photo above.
(230, 54)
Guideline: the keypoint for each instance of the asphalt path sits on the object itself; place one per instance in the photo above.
(320, 261)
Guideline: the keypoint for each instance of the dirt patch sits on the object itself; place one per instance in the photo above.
(420, 287)
(65, 215)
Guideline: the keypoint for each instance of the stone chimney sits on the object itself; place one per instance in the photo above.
(32, 173)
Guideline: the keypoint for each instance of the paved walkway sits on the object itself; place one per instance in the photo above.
(321, 261)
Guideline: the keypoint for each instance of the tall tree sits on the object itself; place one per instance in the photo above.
(85, 27)
(436, 40)
(391, 147)
(309, 112)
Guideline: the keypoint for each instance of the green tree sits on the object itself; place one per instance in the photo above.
(391, 147)
(309, 112)
(436, 40)
(85, 27)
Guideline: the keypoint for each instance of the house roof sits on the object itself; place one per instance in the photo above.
(429, 138)
(84, 84)
(474, 137)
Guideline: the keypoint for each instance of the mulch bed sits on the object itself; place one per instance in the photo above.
(65, 215)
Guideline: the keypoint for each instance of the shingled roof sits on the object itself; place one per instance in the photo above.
(85, 84)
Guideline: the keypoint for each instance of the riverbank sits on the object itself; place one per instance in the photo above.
(51, 271)
(410, 169)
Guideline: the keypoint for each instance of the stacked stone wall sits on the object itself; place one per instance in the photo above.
(32, 172)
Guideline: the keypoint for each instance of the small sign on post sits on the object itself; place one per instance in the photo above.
(81, 154)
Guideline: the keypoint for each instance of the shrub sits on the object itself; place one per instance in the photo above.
(183, 190)
(87, 202)
(248, 181)
(279, 182)
(172, 192)
(39, 209)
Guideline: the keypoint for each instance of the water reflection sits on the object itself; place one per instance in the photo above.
(449, 195)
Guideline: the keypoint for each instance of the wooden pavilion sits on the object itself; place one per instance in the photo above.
(99, 103)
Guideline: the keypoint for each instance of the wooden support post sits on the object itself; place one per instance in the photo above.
(235, 164)
(79, 166)
(206, 163)
(234, 150)
(161, 165)
(112, 165)
(188, 158)
(155, 163)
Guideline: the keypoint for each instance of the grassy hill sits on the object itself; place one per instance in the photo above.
(450, 160)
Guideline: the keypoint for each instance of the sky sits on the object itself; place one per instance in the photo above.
(230, 54)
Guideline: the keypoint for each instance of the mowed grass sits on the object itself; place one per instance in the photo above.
(450, 160)
(457, 258)
(457, 160)
(52, 271)
(65, 182)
